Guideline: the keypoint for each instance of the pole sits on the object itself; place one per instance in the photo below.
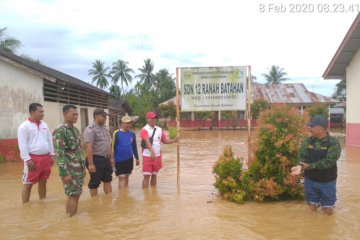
(249, 112)
(177, 130)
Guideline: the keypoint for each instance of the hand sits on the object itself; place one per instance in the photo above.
(153, 156)
(31, 165)
(137, 162)
(52, 160)
(296, 170)
(91, 168)
(66, 179)
(112, 161)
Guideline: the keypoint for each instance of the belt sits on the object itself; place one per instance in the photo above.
(99, 156)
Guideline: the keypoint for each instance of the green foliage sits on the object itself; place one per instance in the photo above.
(168, 110)
(340, 91)
(8, 43)
(203, 115)
(275, 151)
(172, 132)
(258, 106)
(100, 74)
(318, 109)
(276, 75)
(227, 172)
(140, 106)
(2, 158)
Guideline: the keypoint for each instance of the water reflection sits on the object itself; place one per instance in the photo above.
(194, 212)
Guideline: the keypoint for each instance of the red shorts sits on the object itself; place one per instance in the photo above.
(42, 171)
(151, 167)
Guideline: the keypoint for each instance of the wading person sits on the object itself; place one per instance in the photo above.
(98, 153)
(124, 150)
(69, 158)
(36, 150)
(152, 136)
(318, 156)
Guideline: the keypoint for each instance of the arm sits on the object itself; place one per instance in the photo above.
(145, 136)
(51, 144)
(329, 161)
(89, 140)
(303, 158)
(135, 151)
(60, 156)
(165, 140)
(23, 145)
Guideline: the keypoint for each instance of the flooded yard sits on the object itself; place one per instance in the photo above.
(193, 212)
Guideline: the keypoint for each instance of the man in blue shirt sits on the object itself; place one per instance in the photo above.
(124, 149)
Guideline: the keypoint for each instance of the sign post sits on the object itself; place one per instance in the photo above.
(212, 89)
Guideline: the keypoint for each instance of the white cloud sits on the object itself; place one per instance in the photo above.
(69, 35)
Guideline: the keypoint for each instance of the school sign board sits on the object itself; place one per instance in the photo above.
(213, 89)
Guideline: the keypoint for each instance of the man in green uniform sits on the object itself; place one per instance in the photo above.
(318, 156)
(69, 158)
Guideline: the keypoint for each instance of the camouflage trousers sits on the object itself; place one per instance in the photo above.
(75, 186)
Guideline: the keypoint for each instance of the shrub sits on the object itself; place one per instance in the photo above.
(318, 109)
(275, 151)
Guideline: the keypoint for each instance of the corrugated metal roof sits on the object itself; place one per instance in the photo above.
(290, 93)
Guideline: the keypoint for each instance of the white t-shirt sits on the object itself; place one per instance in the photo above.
(35, 139)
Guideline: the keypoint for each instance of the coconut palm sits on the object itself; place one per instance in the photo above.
(8, 44)
(276, 75)
(115, 90)
(164, 85)
(100, 74)
(147, 78)
(120, 71)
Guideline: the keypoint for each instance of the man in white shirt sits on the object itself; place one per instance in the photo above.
(36, 150)
(152, 136)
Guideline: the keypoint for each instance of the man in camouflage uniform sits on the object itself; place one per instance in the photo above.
(69, 158)
(318, 156)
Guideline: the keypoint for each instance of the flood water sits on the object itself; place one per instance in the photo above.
(194, 212)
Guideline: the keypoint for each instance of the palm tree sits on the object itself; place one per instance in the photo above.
(276, 75)
(164, 85)
(115, 90)
(147, 78)
(100, 74)
(8, 44)
(120, 71)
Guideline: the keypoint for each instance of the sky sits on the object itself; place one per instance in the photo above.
(69, 35)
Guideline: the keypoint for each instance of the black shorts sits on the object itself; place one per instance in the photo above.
(103, 171)
(124, 167)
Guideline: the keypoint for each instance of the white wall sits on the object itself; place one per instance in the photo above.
(352, 90)
(18, 88)
(54, 116)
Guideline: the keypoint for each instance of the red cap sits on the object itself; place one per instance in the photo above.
(150, 115)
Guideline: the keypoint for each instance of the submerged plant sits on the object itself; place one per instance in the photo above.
(275, 151)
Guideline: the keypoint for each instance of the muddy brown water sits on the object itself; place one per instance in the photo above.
(194, 212)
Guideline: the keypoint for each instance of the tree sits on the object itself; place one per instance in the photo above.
(340, 90)
(120, 71)
(258, 106)
(115, 90)
(147, 78)
(164, 85)
(8, 44)
(276, 75)
(100, 74)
